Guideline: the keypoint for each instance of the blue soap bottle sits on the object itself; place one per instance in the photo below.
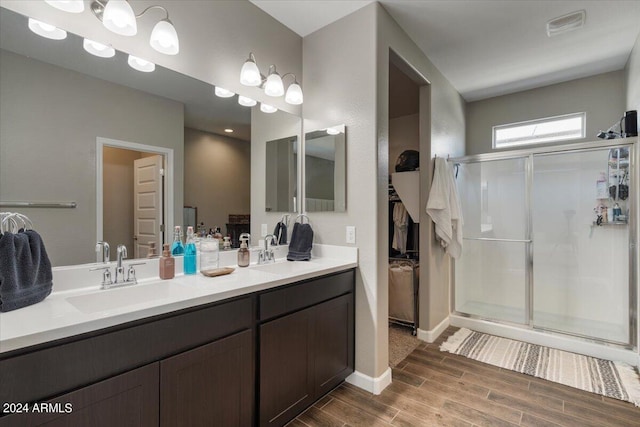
(190, 253)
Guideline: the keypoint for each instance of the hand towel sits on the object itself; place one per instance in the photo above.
(400, 225)
(25, 270)
(281, 233)
(444, 208)
(301, 243)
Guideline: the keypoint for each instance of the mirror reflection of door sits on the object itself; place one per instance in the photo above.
(132, 199)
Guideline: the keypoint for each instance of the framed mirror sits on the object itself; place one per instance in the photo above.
(281, 175)
(325, 170)
(57, 101)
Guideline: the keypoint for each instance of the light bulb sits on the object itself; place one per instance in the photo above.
(164, 38)
(266, 108)
(98, 49)
(333, 131)
(46, 30)
(140, 64)
(118, 17)
(250, 74)
(294, 94)
(246, 102)
(223, 93)
(274, 86)
(73, 6)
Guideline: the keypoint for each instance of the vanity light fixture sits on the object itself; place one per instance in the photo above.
(73, 6)
(118, 17)
(46, 30)
(141, 64)
(273, 84)
(266, 108)
(223, 93)
(98, 49)
(246, 102)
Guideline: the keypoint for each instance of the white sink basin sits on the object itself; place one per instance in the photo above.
(112, 299)
(285, 267)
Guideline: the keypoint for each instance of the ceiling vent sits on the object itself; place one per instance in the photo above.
(565, 23)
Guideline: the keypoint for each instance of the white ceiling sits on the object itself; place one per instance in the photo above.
(490, 48)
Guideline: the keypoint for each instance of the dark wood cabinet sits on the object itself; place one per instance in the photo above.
(305, 354)
(209, 385)
(127, 400)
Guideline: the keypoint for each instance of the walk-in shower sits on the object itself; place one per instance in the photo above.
(541, 252)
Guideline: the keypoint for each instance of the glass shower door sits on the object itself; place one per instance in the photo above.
(491, 274)
(580, 269)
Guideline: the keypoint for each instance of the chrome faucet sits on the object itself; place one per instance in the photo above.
(266, 255)
(106, 252)
(122, 254)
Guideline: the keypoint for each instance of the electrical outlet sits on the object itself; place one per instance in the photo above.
(263, 230)
(351, 234)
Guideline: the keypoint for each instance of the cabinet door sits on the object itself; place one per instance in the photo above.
(210, 385)
(130, 399)
(286, 380)
(333, 336)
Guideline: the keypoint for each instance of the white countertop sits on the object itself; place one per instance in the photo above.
(75, 308)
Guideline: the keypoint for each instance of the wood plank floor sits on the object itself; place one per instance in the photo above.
(432, 388)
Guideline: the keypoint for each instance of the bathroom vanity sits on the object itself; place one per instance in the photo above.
(259, 357)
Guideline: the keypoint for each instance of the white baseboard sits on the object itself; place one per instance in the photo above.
(370, 384)
(433, 334)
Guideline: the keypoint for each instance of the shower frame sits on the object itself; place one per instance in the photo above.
(528, 155)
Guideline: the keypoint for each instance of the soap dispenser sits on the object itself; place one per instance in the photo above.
(167, 264)
(244, 256)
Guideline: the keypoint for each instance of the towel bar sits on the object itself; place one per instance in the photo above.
(68, 205)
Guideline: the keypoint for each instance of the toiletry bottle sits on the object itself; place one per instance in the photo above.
(218, 236)
(177, 248)
(243, 255)
(617, 211)
(190, 253)
(167, 264)
(152, 250)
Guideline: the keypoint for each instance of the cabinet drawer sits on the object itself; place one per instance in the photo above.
(48, 372)
(304, 294)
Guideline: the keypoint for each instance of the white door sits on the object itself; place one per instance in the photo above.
(147, 204)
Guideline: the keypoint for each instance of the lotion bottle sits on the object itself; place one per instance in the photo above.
(167, 264)
(243, 255)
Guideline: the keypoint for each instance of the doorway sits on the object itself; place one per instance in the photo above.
(132, 195)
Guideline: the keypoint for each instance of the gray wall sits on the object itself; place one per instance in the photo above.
(360, 101)
(404, 134)
(217, 176)
(632, 78)
(602, 97)
(49, 121)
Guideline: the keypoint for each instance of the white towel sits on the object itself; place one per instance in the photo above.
(400, 224)
(444, 208)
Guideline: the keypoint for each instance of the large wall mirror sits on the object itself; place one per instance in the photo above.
(68, 118)
(325, 170)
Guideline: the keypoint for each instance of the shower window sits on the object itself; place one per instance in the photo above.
(549, 129)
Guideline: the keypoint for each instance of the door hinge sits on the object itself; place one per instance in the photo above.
(161, 171)
(162, 228)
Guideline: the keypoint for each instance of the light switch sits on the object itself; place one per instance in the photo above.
(263, 230)
(351, 234)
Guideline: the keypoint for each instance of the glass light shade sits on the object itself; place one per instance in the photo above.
(246, 102)
(73, 6)
(294, 94)
(141, 64)
(266, 108)
(118, 17)
(223, 93)
(46, 30)
(274, 86)
(164, 38)
(98, 49)
(250, 74)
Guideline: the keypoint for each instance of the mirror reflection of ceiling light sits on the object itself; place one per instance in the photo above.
(228, 130)
(223, 93)
(73, 6)
(46, 30)
(333, 131)
(266, 108)
(141, 64)
(273, 84)
(246, 102)
(98, 49)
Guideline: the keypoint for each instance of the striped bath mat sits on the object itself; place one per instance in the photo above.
(612, 379)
